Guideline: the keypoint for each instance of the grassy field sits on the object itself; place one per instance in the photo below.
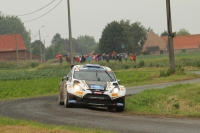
(179, 100)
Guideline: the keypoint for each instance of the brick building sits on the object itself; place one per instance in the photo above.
(158, 45)
(9, 45)
(154, 44)
(185, 43)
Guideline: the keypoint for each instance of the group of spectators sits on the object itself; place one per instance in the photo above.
(106, 57)
(119, 57)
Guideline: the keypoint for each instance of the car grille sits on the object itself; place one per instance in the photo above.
(92, 98)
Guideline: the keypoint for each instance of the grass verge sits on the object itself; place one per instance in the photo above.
(178, 100)
(8, 125)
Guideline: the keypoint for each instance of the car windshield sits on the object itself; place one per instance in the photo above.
(94, 75)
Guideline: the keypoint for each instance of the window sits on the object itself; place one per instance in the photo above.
(94, 75)
(183, 50)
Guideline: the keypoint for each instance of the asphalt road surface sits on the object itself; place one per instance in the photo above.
(46, 110)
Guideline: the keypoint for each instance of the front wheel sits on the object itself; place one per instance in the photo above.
(60, 96)
(66, 100)
(121, 108)
(59, 100)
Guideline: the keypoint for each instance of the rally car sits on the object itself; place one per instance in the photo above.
(92, 85)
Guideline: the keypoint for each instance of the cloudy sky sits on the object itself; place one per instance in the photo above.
(89, 17)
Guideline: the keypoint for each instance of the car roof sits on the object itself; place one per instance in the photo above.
(91, 67)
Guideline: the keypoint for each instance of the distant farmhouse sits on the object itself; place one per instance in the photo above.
(158, 45)
(9, 45)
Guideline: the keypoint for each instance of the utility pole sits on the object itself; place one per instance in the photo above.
(30, 45)
(40, 47)
(44, 50)
(16, 47)
(70, 35)
(170, 37)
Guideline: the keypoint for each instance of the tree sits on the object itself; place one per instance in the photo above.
(165, 33)
(36, 47)
(49, 53)
(13, 25)
(87, 43)
(183, 32)
(137, 37)
(112, 38)
(58, 44)
(123, 37)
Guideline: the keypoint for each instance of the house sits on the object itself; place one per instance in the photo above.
(154, 44)
(159, 45)
(185, 43)
(12, 44)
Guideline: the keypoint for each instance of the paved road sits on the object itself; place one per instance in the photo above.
(46, 110)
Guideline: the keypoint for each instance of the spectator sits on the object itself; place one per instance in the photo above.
(107, 57)
(134, 57)
(131, 56)
(88, 58)
(60, 59)
(125, 57)
(119, 57)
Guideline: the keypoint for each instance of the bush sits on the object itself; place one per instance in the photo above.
(164, 73)
(141, 63)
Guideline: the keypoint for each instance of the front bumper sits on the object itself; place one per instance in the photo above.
(96, 100)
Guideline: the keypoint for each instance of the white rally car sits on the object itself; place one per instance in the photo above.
(92, 85)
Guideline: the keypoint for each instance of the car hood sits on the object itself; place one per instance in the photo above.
(97, 85)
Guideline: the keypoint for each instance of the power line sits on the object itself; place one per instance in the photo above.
(33, 11)
(43, 14)
(35, 35)
(37, 17)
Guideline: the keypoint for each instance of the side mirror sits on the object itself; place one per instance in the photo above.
(118, 80)
(65, 78)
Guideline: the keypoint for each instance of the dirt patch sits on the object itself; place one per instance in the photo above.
(28, 129)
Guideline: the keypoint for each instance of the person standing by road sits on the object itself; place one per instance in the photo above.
(134, 57)
(131, 56)
(88, 58)
(126, 57)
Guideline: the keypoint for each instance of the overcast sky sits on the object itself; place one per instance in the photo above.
(89, 17)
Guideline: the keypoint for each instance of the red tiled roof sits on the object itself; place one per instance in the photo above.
(185, 41)
(154, 40)
(8, 43)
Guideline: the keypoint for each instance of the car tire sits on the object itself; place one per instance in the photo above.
(59, 100)
(66, 100)
(121, 108)
(60, 97)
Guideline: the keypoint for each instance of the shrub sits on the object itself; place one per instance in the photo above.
(141, 63)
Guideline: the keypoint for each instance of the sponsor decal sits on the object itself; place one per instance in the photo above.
(122, 89)
(72, 101)
(79, 92)
(114, 95)
(100, 87)
(120, 104)
(97, 92)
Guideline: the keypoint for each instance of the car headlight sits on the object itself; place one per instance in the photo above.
(115, 90)
(77, 88)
